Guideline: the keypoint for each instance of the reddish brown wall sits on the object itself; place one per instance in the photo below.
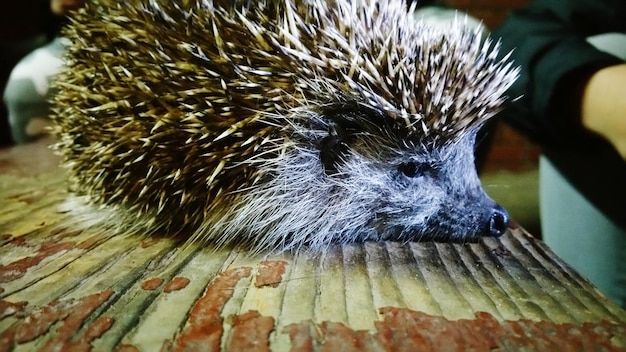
(492, 12)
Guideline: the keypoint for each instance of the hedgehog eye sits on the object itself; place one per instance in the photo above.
(411, 169)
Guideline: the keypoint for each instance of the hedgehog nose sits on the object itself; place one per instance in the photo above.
(498, 221)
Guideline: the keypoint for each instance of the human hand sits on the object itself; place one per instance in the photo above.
(603, 109)
(62, 7)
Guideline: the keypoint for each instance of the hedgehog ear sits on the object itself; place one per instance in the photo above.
(342, 121)
(333, 148)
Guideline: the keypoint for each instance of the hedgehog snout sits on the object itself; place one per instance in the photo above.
(498, 221)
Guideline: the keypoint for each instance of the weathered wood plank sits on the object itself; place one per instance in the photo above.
(61, 288)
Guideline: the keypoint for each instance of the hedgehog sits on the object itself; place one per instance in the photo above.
(277, 124)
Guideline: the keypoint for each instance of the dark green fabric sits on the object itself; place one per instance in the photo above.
(548, 42)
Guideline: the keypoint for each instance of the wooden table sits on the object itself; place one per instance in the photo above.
(62, 289)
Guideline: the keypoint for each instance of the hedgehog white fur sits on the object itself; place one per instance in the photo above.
(278, 124)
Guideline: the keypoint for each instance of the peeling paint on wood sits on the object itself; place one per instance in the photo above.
(177, 283)
(82, 290)
(270, 273)
(152, 284)
(251, 332)
(70, 313)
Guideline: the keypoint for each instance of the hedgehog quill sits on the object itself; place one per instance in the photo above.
(277, 124)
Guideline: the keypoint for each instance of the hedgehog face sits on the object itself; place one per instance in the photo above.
(346, 179)
(419, 193)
